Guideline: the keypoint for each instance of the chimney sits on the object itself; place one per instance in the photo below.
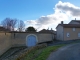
(61, 22)
(75, 18)
(51, 29)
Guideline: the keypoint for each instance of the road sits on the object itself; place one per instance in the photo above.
(69, 52)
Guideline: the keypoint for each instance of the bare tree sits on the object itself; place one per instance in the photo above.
(21, 25)
(9, 23)
(6, 23)
(13, 23)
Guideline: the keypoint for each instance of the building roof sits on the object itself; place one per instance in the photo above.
(45, 31)
(3, 29)
(70, 25)
(78, 21)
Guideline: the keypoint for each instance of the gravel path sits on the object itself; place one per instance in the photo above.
(69, 52)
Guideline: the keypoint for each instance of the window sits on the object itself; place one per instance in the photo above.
(73, 29)
(78, 34)
(68, 34)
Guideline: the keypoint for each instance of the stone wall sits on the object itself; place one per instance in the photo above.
(9, 40)
(20, 39)
(5, 42)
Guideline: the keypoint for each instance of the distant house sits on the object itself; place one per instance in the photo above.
(3, 29)
(45, 31)
(48, 31)
(68, 31)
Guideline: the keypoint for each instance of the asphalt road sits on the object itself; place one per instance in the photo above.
(69, 52)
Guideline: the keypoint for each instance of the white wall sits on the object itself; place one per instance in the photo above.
(60, 33)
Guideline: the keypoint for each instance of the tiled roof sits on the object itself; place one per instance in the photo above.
(76, 21)
(70, 25)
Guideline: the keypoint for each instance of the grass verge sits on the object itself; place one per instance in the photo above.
(41, 54)
(45, 53)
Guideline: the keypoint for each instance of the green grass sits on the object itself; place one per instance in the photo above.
(45, 53)
(32, 55)
(41, 54)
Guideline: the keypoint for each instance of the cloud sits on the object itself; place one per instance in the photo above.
(63, 11)
(68, 7)
(46, 21)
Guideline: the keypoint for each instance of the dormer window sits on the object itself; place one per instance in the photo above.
(73, 29)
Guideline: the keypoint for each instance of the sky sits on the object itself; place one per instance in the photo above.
(41, 14)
